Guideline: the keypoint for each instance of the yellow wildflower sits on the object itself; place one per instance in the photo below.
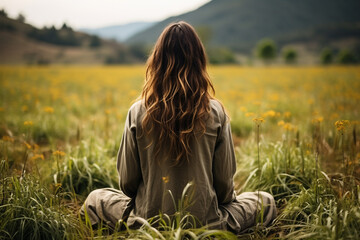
(258, 120)
(270, 113)
(281, 123)
(288, 126)
(342, 125)
(7, 139)
(28, 123)
(107, 111)
(317, 120)
(165, 179)
(59, 153)
(38, 156)
(28, 146)
(48, 109)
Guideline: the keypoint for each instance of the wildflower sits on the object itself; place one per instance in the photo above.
(281, 123)
(165, 179)
(59, 153)
(7, 139)
(107, 111)
(28, 146)
(307, 152)
(48, 109)
(249, 114)
(38, 156)
(270, 113)
(258, 120)
(288, 126)
(317, 120)
(342, 125)
(28, 123)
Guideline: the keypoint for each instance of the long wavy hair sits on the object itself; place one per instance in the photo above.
(177, 91)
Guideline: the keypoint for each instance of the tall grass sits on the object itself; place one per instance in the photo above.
(31, 211)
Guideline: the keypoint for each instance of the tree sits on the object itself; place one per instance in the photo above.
(290, 55)
(95, 41)
(3, 13)
(326, 56)
(21, 18)
(66, 27)
(266, 50)
(346, 57)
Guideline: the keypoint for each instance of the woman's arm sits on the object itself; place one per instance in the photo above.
(224, 165)
(128, 162)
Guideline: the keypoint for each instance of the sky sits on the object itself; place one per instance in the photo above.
(96, 13)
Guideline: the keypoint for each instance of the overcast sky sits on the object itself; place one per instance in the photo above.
(96, 13)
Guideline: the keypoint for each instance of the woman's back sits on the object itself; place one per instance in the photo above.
(175, 135)
(210, 168)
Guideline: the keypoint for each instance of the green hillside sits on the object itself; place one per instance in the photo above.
(21, 43)
(239, 24)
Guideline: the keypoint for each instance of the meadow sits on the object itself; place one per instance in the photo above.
(295, 130)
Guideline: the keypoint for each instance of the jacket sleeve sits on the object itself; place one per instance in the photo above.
(128, 162)
(224, 165)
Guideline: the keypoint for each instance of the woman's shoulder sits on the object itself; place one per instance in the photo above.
(217, 110)
(136, 111)
(136, 106)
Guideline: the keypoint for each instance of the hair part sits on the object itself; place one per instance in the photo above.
(177, 90)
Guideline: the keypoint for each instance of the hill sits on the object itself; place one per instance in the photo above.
(240, 24)
(119, 32)
(21, 43)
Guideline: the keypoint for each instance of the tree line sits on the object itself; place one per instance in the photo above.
(266, 50)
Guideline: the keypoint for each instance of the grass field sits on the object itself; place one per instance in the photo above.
(296, 133)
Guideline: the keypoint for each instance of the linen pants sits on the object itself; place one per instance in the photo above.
(107, 205)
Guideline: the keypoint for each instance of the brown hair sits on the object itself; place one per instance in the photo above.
(176, 91)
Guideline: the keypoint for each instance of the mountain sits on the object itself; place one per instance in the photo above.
(21, 43)
(119, 32)
(240, 24)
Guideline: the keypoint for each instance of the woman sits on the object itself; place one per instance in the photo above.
(178, 133)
